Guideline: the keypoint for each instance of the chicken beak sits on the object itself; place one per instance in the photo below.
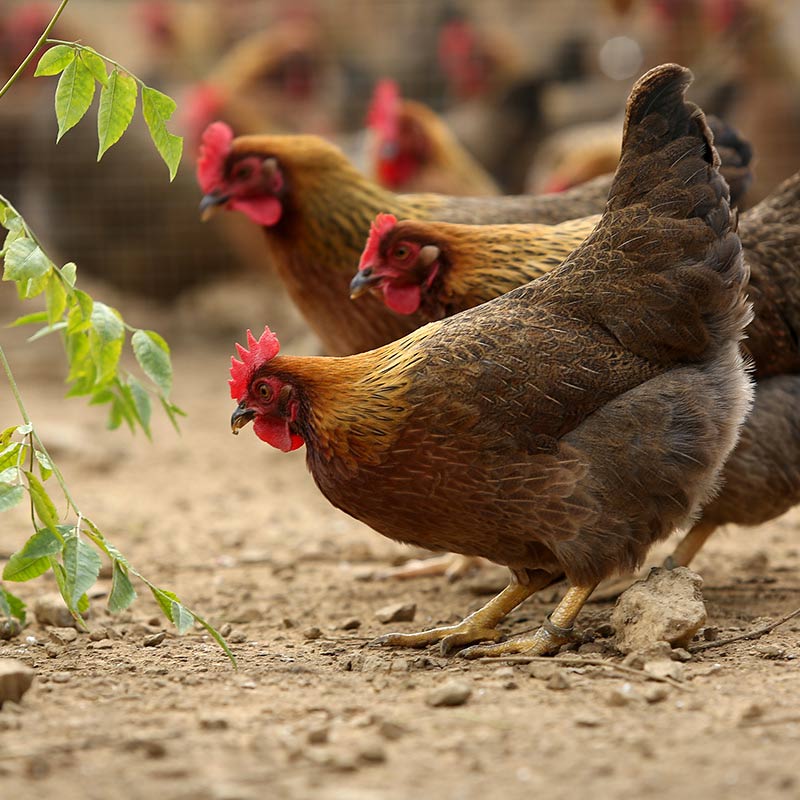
(211, 203)
(362, 282)
(241, 417)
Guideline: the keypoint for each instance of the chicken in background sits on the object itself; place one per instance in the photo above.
(557, 434)
(413, 150)
(315, 209)
(440, 269)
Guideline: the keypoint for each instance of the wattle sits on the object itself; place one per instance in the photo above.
(402, 299)
(264, 211)
(276, 432)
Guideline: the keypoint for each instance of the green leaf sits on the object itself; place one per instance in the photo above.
(27, 264)
(117, 104)
(175, 612)
(42, 503)
(219, 638)
(5, 436)
(122, 591)
(83, 604)
(81, 306)
(55, 60)
(173, 412)
(152, 353)
(74, 95)
(46, 331)
(106, 338)
(82, 566)
(9, 456)
(10, 495)
(29, 319)
(68, 271)
(157, 109)
(56, 297)
(33, 559)
(45, 467)
(95, 65)
(141, 402)
(11, 606)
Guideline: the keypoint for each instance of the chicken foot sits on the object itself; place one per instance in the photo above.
(478, 626)
(557, 630)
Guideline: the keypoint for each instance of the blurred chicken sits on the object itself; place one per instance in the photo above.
(413, 150)
(439, 269)
(551, 429)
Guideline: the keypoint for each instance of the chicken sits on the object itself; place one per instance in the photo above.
(550, 430)
(439, 269)
(316, 209)
(414, 150)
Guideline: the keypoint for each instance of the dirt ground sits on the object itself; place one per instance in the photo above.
(240, 532)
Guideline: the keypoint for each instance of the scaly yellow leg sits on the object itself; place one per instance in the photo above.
(556, 631)
(690, 544)
(478, 626)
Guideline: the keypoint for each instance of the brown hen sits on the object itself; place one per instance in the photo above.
(551, 429)
(437, 269)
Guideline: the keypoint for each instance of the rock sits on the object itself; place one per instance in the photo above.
(351, 624)
(213, 723)
(372, 753)
(622, 695)
(770, 651)
(559, 681)
(390, 730)
(103, 644)
(49, 609)
(319, 734)
(312, 633)
(679, 654)
(155, 639)
(711, 634)
(53, 650)
(63, 635)
(374, 663)
(665, 668)
(397, 612)
(656, 693)
(451, 693)
(15, 679)
(542, 672)
(666, 606)
(237, 637)
(9, 628)
(61, 677)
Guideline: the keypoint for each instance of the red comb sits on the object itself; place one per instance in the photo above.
(261, 350)
(214, 147)
(384, 109)
(382, 224)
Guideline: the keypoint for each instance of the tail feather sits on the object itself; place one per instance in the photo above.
(735, 155)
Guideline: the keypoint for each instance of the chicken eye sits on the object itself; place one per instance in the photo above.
(265, 390)
(401, 252)
(243, 171)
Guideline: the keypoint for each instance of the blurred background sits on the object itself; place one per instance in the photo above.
(533, 89)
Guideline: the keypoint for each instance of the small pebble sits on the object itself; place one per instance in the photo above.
(237, 637)
(397, 612)
(61, 677)
(770, 651)
(751, 712)
(622, 695)
(542, 672)
(679, 654)
(665, 669)
(351, 624)
(372, 753)
(451, 693)
(49, 609)
(287, 623)
(103, 644)
(589, 721)
(391, 730)
(225, 629)
(656, 693)
(63, 635)
(559, 681)
(711, 634)
(312, 633)
(98, 634)
(213, 723)
(318, 734)
(53, 650)
(15, 679)
(156, 639)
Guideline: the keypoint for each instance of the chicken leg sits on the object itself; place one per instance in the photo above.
(557, 630)
(690, 544)
(478, 626)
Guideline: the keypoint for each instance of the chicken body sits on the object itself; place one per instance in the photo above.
(549, 430)
(475, 264)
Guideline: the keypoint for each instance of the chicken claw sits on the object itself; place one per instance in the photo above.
(478, 626)
(557, 630)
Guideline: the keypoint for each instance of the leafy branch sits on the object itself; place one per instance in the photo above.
(94, 336)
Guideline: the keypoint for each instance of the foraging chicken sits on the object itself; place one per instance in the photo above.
(415, 151)
(439, 269)
(316, 208)
(550, 429)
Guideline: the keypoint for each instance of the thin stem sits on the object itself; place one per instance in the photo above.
(38, 46)
(35, 436)
(105, 58)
